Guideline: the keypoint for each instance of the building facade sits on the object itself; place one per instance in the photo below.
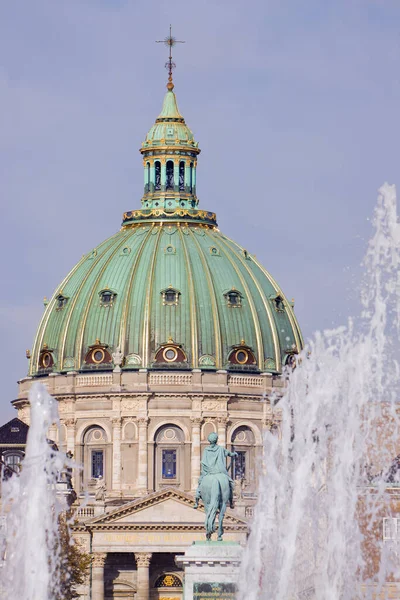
(162, 334)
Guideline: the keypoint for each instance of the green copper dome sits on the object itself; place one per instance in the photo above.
(169, 290)
(170, 127)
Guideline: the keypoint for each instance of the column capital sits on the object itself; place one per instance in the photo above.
(99, 559)
(142, 421)
(143, 559)
(196, 420)
(71, 422)
(116, 421)
(223, 420)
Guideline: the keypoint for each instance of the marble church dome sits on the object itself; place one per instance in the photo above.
(169, 290)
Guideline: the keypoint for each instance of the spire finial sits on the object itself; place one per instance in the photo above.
(170, 65)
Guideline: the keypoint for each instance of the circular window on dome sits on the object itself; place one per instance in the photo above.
(242, 356)
(214, 251)
(98, 356)
(46, 360)
(170, 354)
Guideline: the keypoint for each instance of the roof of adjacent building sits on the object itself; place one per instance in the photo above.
(13, 432)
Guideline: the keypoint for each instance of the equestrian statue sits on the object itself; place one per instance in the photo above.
(215, 487)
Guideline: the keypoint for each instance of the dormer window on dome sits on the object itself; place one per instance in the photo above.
(291, 360)
(170, 352)
(242, 355)
(278, 303)
(46, 359)
(61, 301)
(98, 355)
(107, 297)
(233, 298)
(170, 296)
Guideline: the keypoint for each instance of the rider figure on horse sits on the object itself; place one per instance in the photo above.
(214, 462)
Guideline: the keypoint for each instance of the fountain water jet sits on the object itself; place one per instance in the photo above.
(30, 510)
(324, 490)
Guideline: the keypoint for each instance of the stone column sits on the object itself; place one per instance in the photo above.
(176, 175)
(99, 559)
(116, 469)
(143, 581)
(70, 425)
(222, 423)
(52, 433)
(187, 175)
(194, 178)
(163, 163)
(196, 450)
(142, 455)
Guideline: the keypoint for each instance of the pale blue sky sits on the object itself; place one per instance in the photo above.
(295, 105)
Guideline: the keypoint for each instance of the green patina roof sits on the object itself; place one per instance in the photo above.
(156, 249)
(138, 263)
(170, 108)
(170, 126)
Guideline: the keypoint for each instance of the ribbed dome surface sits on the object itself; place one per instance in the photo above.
(137, 265)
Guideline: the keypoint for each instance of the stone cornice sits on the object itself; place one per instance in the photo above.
(161, 526)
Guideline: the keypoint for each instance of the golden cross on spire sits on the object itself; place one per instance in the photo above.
(170, 65)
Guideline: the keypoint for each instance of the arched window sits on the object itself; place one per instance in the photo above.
(167, 581)
(12, 464)
(181, 176)
(242, 465)
(169, 450)
(170, 175)
(94, 455)
(157, 175)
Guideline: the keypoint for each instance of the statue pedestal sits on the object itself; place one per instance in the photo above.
(211, 570)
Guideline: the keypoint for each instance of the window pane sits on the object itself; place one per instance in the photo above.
(181, 176)
(233, 298)
(170, 175)
(239, 466)
(13, 461)
(157, 176)
(97, 464)
(170, 296)
(169, 464)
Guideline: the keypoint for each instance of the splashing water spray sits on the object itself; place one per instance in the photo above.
(29, 542)
(326, 484)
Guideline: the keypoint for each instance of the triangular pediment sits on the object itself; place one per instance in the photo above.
(169, 506)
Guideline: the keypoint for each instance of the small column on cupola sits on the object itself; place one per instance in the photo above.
(170, 154)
